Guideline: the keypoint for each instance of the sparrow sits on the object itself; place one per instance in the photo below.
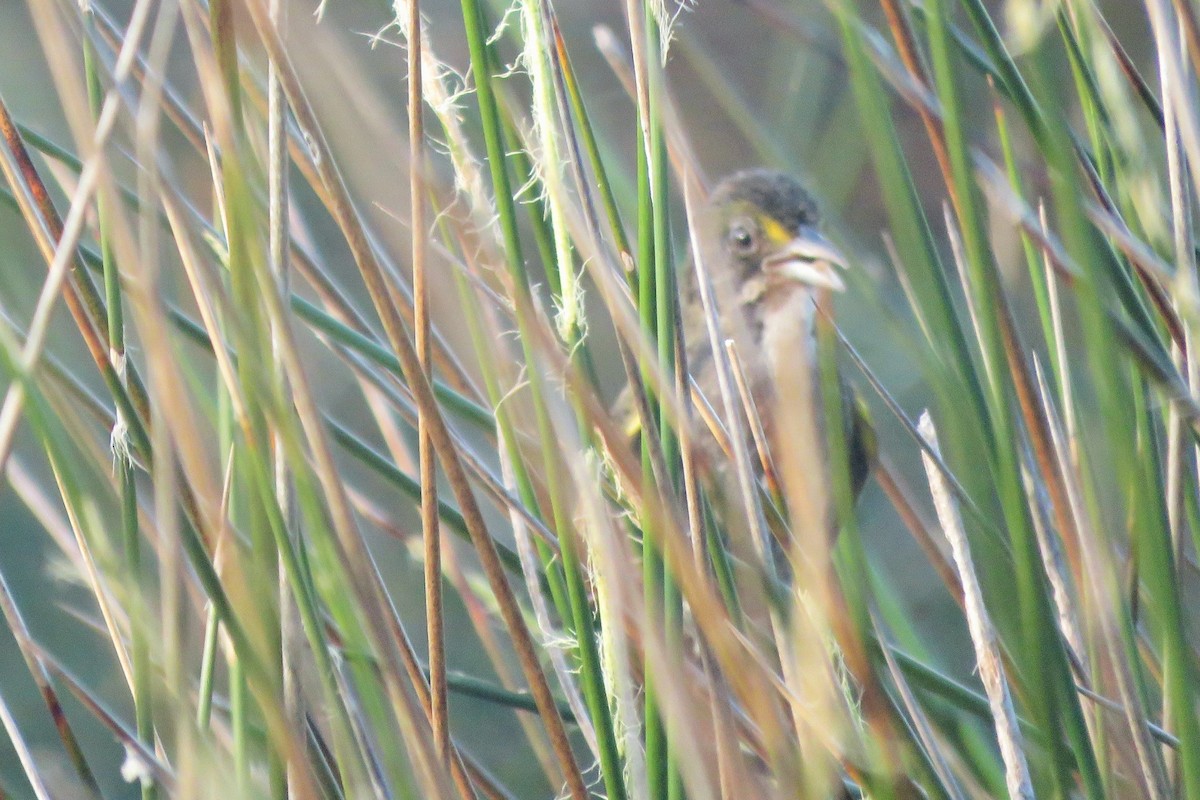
(760, 242)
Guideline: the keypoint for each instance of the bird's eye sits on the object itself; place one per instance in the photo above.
(741, 238)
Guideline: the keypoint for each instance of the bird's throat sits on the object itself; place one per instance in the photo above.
(789, 330)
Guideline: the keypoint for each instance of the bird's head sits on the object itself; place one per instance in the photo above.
(763, 226)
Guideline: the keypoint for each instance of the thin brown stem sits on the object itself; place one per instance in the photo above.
(430, 528)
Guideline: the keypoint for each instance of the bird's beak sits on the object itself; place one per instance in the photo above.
(809, 259)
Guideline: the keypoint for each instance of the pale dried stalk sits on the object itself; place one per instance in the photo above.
(24, 754)
(554, 644)
(1102, 583)
(291, 634)
(983, 636)
(1057, 570)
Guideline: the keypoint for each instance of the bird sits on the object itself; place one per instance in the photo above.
(760, 241)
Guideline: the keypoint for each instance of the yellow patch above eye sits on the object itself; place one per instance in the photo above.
(773, 230)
